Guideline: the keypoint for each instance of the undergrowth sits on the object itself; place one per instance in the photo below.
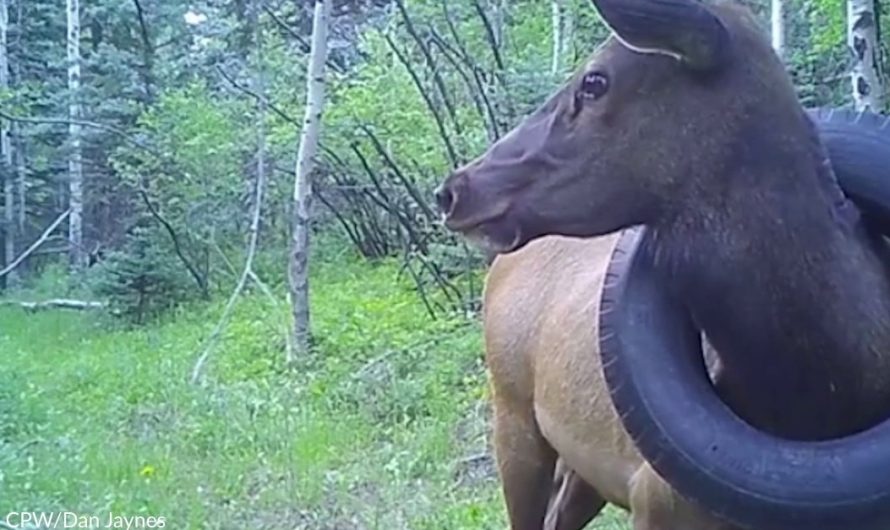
(384, 425)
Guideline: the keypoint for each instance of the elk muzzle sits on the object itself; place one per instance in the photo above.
(475, 201)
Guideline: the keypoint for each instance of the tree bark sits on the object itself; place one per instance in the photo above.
(148, 53)
(21, 176)
(18, 130)
(568, 32)
(862, 38)
(563, 23)
(57, 303)
(315, 95)
(777, 26)
(498, 15)
(6, 156)
(75, 162)
(557, 8)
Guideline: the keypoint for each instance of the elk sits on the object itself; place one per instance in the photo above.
(673, 188)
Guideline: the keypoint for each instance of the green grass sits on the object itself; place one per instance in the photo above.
(384, 426)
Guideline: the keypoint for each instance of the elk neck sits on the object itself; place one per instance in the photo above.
(787, 283)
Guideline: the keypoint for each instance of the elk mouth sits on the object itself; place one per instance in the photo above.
(486, 208)
(499, 234)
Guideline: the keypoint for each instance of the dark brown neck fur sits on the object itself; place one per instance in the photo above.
(787, 284)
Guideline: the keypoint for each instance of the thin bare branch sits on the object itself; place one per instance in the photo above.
(274, 108)
(174, 238)
(474, 86)
(443, 131)
(34, 246)
(304, 44)
(490, 33)
(269, 105)
(474, 66)
(247, 271)
(431, 64)
(84, 123)
(409, 187)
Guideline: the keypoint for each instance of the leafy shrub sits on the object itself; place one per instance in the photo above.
(142, 279)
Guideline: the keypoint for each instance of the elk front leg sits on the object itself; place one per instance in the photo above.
(525, 464)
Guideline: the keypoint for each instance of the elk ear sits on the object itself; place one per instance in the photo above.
(684, 29)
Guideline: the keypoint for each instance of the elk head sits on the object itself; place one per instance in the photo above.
(630, 137)
(654, 126)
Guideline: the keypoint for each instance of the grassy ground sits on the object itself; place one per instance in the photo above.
(384, 427)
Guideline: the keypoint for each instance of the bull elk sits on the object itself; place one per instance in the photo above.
(686, 192)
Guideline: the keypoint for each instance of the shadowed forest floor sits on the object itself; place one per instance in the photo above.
(384, 426)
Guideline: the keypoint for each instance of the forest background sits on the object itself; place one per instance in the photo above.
(197, 323)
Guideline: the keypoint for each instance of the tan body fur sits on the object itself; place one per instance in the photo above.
(550, 398)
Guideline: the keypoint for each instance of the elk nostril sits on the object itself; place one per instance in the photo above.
(445, 199)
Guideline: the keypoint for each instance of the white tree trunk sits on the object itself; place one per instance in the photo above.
(862, 38)
(499, 13)
(315, 96)
(75, 163)
(6, 158)
(568, 31)
(556, 7)
(21, 176)
(18, 149)
(562, 22)
(777, 26)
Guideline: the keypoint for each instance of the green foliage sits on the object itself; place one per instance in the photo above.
(197, 178)
(184, 95)
(384, 424)
(53, 280)
(142, 279)
(380, 92)
(373, 430)
(188, 177)
(828, 17)
(816, 53)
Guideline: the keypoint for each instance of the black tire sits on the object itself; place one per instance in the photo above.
(858, 145)
(653, 366)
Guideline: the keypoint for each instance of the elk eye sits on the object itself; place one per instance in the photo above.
(594, 85)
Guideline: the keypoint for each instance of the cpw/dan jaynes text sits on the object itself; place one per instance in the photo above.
(74, 520)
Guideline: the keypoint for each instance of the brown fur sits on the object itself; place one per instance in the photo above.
(746, 223)
(549, 397)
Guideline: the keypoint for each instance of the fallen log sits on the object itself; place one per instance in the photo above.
(56, 303)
